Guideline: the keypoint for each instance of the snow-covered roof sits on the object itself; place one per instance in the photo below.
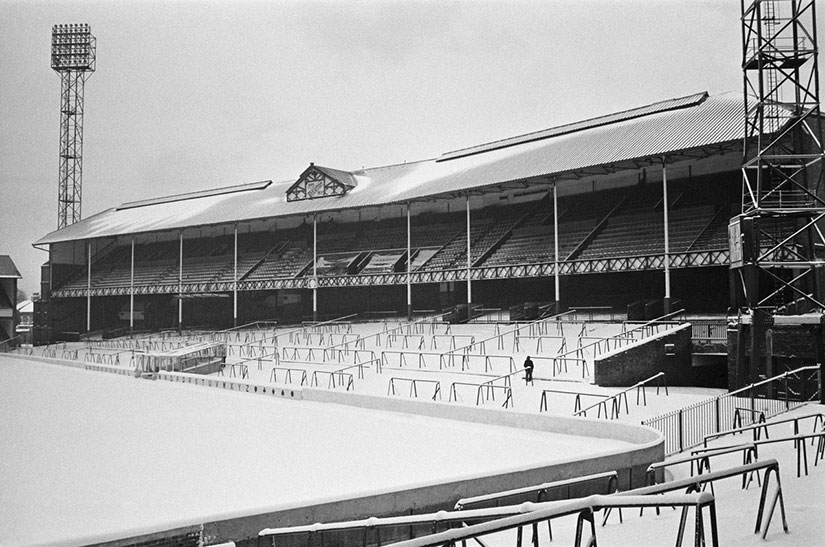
(668, 127)
(8, 269)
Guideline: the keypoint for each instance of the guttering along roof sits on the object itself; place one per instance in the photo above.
(667, 127)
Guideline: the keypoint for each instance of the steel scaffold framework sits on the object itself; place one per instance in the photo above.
(73, 58)
(778, 235)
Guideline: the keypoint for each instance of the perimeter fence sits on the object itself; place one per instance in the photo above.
(687, 427)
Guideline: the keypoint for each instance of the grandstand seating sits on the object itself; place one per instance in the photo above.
(605, 224)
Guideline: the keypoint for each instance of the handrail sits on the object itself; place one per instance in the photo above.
(516, 330)
(818, 417)
(695, 484)
(708, 416)
(617, 397)
(772, 379)
(388, 331)
(539, 489)
(498, 519)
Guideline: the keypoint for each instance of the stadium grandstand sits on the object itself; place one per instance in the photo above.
(582, 214)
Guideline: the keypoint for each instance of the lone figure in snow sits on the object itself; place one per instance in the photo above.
(528, 370)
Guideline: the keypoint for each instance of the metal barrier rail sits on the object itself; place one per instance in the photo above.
(616, 405)
(578, 352)
(686, 427)
(541, 490)
(414, 387)
(533, 327)
(452, 341)
(702, 461)
(584, 509)
(484, 392)
(539, 339)
(576, 403)
(500, 519)
(799, 446)
(696, 484)
(344, 379)
(102, 358)
(445, 360)
(818, 418)
(273, 376)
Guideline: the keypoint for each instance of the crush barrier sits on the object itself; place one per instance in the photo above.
(610, 480)
(393, 389)
(696, 484)
(757, 429)
(484, 392)
(273, 375)
(101, 358)
(455, 529)
(615, 401)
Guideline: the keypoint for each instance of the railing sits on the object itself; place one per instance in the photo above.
(414, 383)
(687, 427)
(709, 330)
(273, 376)
(484, 392)
(380, 531)
(615, 401)
(10, 343)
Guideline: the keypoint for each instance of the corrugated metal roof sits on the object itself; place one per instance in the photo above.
(201, 194)
(662, 106)
(344, 177)
(695, 124)
(8, 269)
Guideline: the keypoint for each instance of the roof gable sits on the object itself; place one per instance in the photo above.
(320, 182)
(7, 268)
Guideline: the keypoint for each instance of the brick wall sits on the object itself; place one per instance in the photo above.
(643, 359)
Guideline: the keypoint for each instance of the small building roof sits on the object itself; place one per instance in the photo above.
(692, 123)
(8, 269)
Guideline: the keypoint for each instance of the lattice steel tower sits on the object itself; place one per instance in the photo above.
(778, 238)
(73, 57)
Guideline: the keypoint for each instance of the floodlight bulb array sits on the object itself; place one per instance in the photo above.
(72, 47)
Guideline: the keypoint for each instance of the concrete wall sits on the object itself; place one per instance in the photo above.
(643, 359)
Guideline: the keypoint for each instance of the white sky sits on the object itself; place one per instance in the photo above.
(195, 95)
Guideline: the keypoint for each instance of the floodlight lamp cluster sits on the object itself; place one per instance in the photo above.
(72, 47)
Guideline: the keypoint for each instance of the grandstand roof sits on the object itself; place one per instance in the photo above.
(8, 269)
(689, 123)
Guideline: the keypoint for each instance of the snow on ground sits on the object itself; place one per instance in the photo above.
(86, 453)
(736, 508)
(805, 503)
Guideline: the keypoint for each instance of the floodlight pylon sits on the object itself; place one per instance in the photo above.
(73, 57)
(778, 236)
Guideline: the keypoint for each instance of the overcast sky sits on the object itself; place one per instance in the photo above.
(195, 95)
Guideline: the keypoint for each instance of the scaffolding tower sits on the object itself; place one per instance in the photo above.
(73, 58)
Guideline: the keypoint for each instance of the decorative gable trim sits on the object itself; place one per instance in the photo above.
(320, 182)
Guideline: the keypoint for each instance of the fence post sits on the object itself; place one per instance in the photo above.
(718, 415)
(681, 443)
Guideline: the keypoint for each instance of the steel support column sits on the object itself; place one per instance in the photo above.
(180, 285)
(409, 266)
(132, 289)
(667, 235)
(556, 245)
(469, 262)
(89, 287)
(235, 283)
(314, 267)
